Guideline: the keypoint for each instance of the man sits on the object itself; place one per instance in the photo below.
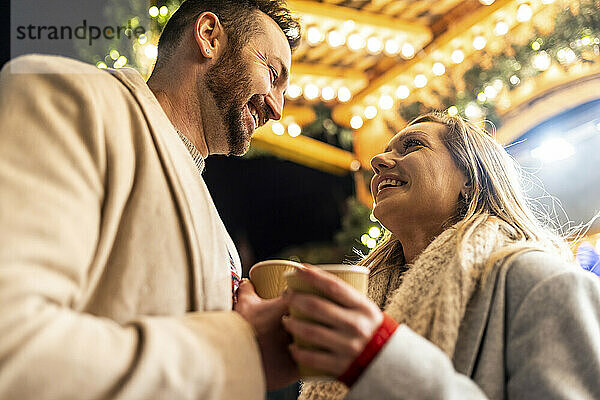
(116, 272)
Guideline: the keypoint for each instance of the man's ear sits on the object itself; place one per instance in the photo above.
(209, 34)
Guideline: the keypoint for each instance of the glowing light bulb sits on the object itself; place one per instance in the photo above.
(420, 81)
(356, 122)
(371, 243)
(374, 45)
(515, 80)
(473, 111)
(278, 128)
(391, 47)
(142, 39)
(101, 65)
(479, 42)
(327, 93)
(364, 238)
(524, 12)
(164, 11)
(501, 28)
(151, 51)
(153, 11)
(370, 112)
(374, 232)
(294, 129)
(121, 61)
(481, 97)
(356, 41)
(408, 51)
(114, 54)
(314, 35)
(438, 69)
(566, 55)
(294, 91)
(541, 61)
(344, 94)
(311, 91)
(386, 102)
(490, 92)
(452, 110)
(335, 39)
(457, 56)
(402, 92)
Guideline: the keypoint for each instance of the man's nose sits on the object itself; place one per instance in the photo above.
(381, 162)
(274, 101)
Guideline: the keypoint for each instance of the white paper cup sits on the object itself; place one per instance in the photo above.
(355, 275)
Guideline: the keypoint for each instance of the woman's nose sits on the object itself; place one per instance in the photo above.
(381, 162)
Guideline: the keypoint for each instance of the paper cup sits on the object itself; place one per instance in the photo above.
(267, 277)
(355, 275)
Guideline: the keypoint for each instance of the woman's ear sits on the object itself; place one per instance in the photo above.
(466, 190)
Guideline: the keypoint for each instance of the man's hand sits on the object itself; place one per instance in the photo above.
(265, 317)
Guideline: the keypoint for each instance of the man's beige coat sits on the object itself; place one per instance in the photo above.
(114, 267)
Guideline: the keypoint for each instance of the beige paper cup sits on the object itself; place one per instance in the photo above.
(267, 277)
(355, 275)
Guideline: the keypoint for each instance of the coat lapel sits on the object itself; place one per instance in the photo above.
(484, 318)
(473, 326)
(159, 125)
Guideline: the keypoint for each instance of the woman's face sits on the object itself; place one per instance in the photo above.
(416, 184)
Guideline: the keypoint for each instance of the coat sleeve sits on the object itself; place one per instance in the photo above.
(52, 173)
(411, 367)
(553, 343)
(552, 351)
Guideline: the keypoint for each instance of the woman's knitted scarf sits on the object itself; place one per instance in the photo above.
(432, 295)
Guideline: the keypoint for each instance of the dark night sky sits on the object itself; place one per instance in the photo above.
(273, 204)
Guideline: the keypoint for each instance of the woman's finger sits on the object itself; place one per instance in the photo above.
(324, 337)
(332, 287)
(328, 313)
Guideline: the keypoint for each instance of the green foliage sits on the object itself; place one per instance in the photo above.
(571, 25)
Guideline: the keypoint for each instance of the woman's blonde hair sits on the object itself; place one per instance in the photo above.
(495, 191)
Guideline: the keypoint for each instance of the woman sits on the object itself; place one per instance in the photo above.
(480, 299)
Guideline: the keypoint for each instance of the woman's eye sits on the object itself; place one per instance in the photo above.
(408, 143)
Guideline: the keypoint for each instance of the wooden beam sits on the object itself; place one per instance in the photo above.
(327, 71)
(342, 14)
(306, 151)
(342, 113)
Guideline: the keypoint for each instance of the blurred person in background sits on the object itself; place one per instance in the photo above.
(116, 272)
(480, 300)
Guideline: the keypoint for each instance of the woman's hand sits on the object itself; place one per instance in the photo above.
(348, 320)
(265, 317)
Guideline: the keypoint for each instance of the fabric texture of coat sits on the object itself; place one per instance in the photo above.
(115, 275)
(532, 332)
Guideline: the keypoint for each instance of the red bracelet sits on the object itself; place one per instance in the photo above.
(378, 340)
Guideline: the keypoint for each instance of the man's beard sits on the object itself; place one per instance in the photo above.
(229, 82)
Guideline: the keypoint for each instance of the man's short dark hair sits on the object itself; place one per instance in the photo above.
(236, 18)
